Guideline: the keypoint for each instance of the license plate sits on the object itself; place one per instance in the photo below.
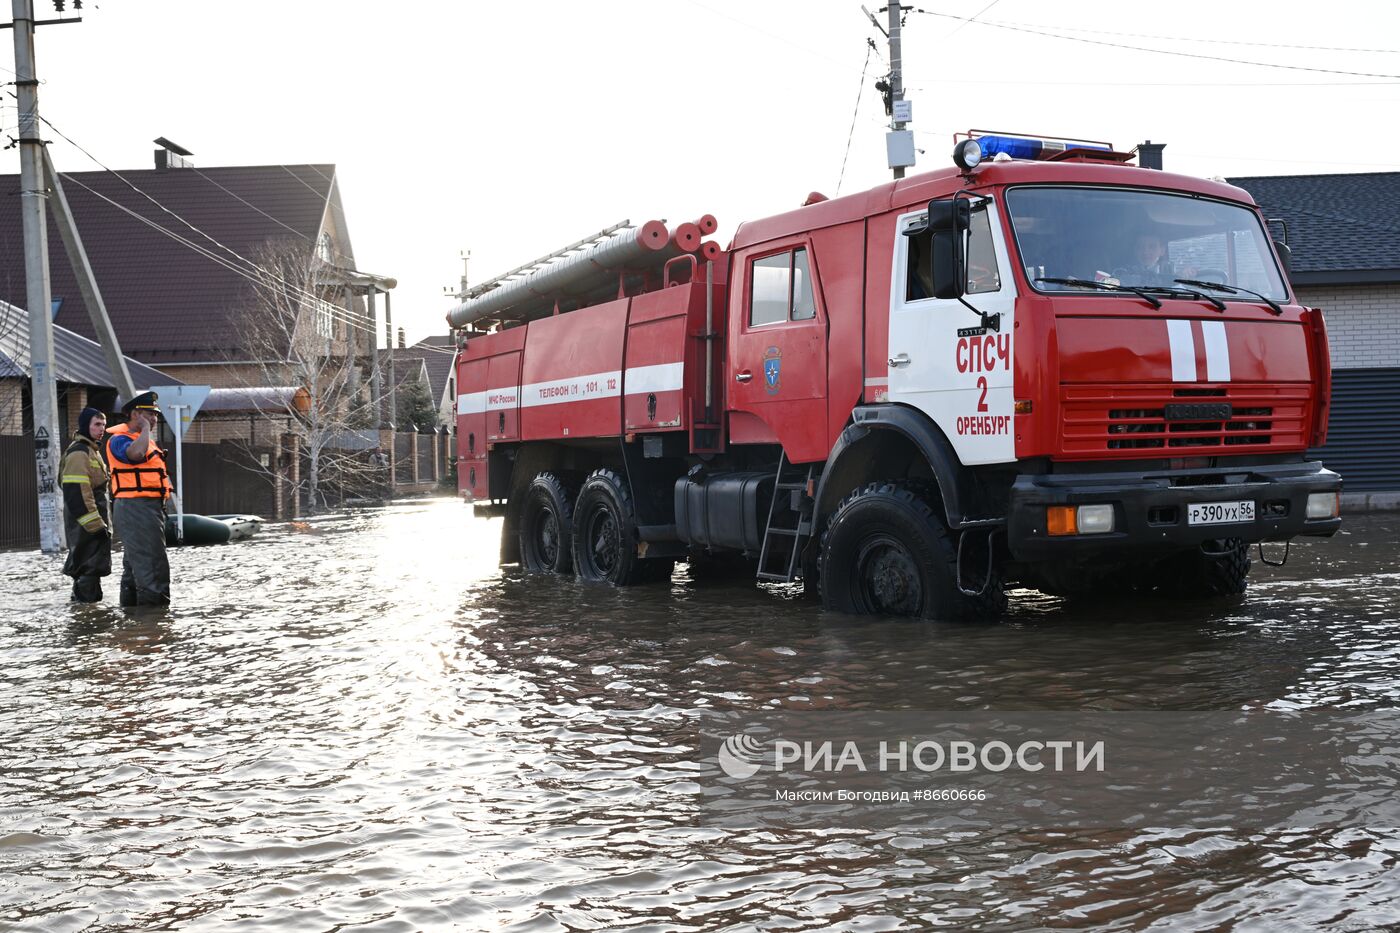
(1219, 513)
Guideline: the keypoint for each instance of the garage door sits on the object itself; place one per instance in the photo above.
(1363, 434)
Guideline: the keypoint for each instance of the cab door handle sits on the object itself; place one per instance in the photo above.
(744, 376)
(899, 359)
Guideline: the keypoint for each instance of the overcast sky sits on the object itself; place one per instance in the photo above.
(512, 129)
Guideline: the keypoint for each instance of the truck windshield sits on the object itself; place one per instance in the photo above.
(1137, 238)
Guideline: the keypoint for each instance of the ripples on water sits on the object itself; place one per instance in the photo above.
(369, 726)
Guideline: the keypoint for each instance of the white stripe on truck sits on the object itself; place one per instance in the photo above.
(1217, 351)
(660, 377)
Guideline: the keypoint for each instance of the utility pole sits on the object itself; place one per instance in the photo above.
(87, 282)
(376, 385)
(900, 154)
(899, 142)
(389, 344)
(48, 438)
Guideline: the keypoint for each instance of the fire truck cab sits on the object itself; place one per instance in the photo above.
(1040, 366)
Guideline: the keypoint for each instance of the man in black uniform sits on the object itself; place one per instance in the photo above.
(84, 479)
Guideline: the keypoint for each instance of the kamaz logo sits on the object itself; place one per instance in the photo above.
(1198, 411)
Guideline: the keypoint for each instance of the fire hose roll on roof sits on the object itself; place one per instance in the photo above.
(646, 245)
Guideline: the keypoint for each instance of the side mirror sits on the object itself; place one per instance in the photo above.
(1285, 255)
(948, 222)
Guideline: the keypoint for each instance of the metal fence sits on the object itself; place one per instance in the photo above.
(426, 461)
(19, 511)
(403, 458)
(229, 477)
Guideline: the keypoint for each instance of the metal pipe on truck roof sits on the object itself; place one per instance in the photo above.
(686, 238)
(629, 247)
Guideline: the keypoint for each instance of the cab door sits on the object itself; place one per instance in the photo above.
(942, 360)
(777, 352)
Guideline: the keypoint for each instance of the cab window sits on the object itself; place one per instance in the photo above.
(780, 289)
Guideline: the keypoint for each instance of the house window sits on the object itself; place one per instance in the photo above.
(323, 248)
(325, 319)
(780, 289)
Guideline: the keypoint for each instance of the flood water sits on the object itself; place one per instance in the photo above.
(365, 724)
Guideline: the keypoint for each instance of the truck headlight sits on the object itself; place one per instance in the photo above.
(1324, 505)
(1095, 519)
(1079, 520)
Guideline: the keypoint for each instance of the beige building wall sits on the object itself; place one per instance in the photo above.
(1363, 323)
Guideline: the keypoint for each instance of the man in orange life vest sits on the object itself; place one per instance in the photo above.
(140, 486)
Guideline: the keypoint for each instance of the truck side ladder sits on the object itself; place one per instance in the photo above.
(789, 521)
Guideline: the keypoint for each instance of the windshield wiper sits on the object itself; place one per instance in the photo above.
(1103, 286)
(1173, 292)
(1274, 306)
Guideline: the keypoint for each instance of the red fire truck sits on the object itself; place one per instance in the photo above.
(1043, 365)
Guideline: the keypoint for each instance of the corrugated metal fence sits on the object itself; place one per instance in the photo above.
(229, 478)
(19, 515)
(1363, 432)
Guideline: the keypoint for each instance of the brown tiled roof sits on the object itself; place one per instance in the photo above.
(169, 303)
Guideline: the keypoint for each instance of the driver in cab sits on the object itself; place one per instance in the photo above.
(1149, 264)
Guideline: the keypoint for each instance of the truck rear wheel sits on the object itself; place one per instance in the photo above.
(546, 525)
(605, 534)
(886, 552)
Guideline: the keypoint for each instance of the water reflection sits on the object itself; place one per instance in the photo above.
(366, 722)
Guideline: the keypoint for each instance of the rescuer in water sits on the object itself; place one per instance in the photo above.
(140, 486)
(84, 479)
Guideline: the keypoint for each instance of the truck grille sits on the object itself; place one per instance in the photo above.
(1132, 419)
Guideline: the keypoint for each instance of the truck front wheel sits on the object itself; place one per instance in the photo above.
(886, 552)
(1217, 568)
(546, 525)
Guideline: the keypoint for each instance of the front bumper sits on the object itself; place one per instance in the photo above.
(1150, 514)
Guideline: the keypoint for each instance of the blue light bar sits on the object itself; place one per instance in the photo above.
(1017, 147)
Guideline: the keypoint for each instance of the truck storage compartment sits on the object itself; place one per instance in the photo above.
(472, 479)
(503, 397)
(571, 379)
(723, 510)
(471, 408)
(663, 357)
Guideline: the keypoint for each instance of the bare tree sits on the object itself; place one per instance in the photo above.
(297, 333)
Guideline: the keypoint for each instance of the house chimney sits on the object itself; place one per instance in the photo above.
(403, 343)
(1150, 154)
(171, 155)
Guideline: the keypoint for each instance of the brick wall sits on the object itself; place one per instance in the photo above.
(1363, 323)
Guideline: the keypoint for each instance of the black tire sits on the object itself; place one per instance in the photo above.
(1218, 568)
(887, 552)
(546, 525)
(605, 534)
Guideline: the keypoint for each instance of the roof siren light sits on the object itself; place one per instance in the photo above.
(967, 154)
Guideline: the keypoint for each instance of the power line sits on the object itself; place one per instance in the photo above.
(869, 47)
(1178, 84)
(969, 19)
(252, 272)
(250, 204)
(1142, 48)
(1200, 39)
(319, 303)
